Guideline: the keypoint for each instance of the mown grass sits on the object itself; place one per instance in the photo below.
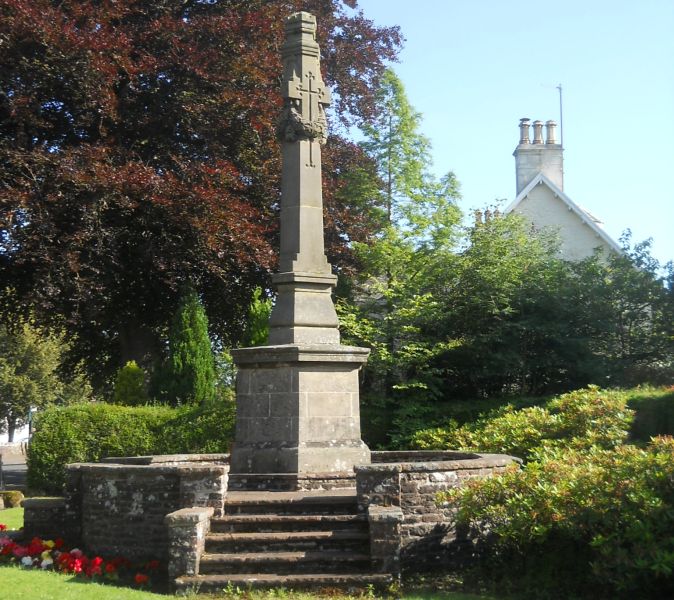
(12, 517)
(33, 584)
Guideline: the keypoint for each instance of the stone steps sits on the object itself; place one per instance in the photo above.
(268, 523)
(287, 503)
(308, 539)
(219, 582)
(346, 539)
(293, 562)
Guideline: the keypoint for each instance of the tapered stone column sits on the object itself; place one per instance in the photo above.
(297, 398)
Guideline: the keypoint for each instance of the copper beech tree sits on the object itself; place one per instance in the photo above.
(138, 155)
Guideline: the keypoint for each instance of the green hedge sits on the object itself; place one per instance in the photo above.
(90, 432)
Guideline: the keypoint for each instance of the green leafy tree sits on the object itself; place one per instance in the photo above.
(29, 374)
(632, 305)
(395, 290)
(257, 326)
(191, 376)
(130, 386)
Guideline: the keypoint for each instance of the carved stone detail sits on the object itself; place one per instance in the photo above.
(304, 93)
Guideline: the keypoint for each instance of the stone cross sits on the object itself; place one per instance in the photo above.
(297, 398)
(304, 312)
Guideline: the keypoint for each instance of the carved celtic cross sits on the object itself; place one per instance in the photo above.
(303, 90)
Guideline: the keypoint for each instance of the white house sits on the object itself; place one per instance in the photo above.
(539, 167)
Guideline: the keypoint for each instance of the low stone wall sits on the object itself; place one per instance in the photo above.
(118, 507)
(410, 482)
(187, 529)
(45, 518)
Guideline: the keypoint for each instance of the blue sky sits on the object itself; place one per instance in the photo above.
(473, 68)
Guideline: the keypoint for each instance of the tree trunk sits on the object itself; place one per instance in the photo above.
(139, 343)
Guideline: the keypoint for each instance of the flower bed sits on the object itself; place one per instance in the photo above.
(51, 554)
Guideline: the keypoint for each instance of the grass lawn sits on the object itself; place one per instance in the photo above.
(34, 584)
(12, 517)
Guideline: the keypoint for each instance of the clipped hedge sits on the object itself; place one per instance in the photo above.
(90, 432)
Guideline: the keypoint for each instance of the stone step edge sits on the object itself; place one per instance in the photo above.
(286, 581)
(284, 518)
(290, 536)
(266, 500)
(268, 557)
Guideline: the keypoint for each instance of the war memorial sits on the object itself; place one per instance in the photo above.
(301, 501)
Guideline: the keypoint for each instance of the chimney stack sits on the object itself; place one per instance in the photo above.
(524, 130)
(538, 132)
(537, 156)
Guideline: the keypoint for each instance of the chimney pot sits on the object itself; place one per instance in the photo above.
(524, 130)
(538, 132)
(550, 132)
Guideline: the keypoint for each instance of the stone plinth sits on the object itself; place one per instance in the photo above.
(298, 409)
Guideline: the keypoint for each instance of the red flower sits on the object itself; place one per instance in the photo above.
(8, 549)
(141, 578)
(58, 543)
(36, 547)
(77, 565)
(110, 568)
(3, 527)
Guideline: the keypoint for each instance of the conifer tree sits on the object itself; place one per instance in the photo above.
(191, 367)
(130, 385)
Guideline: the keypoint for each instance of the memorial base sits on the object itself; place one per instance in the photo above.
(298, 409)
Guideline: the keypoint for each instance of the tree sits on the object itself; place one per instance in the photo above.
(401, 266)
(191, 377)
(257, 327)
(130, 386)
(29, 378)
(138, 154)
(631, 300)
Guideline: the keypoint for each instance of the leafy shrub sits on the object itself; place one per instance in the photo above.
(89, 432)
(130, 386)
(578, 523)
(654, 408)
(580, 419)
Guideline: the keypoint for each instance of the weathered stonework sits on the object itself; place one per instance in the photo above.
(297, 398)
(118, 508)
(46, 518)
(291, 482)
(298, 410)
(426, 533)
(385, 538)
(187, 529)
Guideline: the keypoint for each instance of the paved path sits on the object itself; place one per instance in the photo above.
(14, 472)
